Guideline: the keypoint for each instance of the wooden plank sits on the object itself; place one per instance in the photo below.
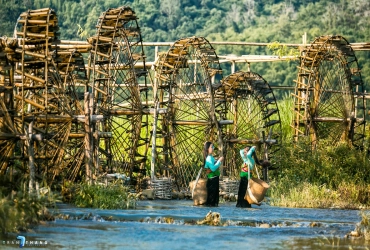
(30, 102)
(191, 123)
(35, 78)
(106, 27)
(101, 72)
(42, 56)
(162, 77)
(307, 58)
(32, 21)
(76, 135)
(50, 118)
(34, 13)
(26, 87)
(246, 141)
(100, 90)
(330, 119)
(29, 34)
(102, 38)
(168, 65)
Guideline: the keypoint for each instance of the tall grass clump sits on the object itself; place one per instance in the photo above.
(112, 196)
(286, 116)
(330, 176)
(21, 210)
(363, 227)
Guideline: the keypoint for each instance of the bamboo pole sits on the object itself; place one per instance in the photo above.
(88, 139)
(253, 141)
(355, 46)
(31, 157)
(194, 123)
(154, 138)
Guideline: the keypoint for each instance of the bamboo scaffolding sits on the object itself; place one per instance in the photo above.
(355, 46)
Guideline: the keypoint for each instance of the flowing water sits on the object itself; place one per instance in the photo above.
(171, 224)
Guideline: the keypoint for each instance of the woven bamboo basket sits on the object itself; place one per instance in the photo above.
(200, 192)
(257, 191)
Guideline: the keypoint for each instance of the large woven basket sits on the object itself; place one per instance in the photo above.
(200, 192)
(257, 191)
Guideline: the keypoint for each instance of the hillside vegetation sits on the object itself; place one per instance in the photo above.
(284, 21)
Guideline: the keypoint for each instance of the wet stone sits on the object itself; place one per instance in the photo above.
(265, 225)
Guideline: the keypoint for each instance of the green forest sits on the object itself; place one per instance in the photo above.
(267, 21)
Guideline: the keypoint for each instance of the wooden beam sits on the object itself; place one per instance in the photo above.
(191, 123)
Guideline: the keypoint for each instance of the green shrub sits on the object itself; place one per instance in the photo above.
(112, 196)
(20, 211)
(363, 227)
(330, 176)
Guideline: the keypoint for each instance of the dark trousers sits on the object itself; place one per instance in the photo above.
(213, 186)
(243, 185)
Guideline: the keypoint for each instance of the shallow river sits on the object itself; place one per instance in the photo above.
(171, 224)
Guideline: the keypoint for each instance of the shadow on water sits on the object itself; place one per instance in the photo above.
(172, 224)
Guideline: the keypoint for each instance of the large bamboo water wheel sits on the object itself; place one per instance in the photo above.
(252, 108)
(184, 76)
(329, 97)
(118, 93)
(37, 113)
(8, 131)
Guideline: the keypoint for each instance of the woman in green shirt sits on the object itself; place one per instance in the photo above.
(250, 159)
(213, 174)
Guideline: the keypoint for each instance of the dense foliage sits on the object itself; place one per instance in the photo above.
(331, 176)
(21, 210)
(112, 196)
(266, 21)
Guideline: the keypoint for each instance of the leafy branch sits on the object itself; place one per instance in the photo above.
(281, 50)
(81, 32)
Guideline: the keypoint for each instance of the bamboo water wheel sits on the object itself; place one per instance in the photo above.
(36, 111)
(184, 77)
(119, 93)
(252, 108)
(329, 95)
(9, 132)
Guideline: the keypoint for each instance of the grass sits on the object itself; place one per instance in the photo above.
(363, 228)
(112, 196)
(307, 195)
(20, 211)
(331, 176)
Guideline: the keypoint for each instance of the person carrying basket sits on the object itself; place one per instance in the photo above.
(250, 159)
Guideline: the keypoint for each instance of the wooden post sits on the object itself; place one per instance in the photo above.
(95, 141)
(265, 157)
(88, 139)
(232, 67)
(304, 38)
(31, 157)
(154, 139)
(155, 53)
